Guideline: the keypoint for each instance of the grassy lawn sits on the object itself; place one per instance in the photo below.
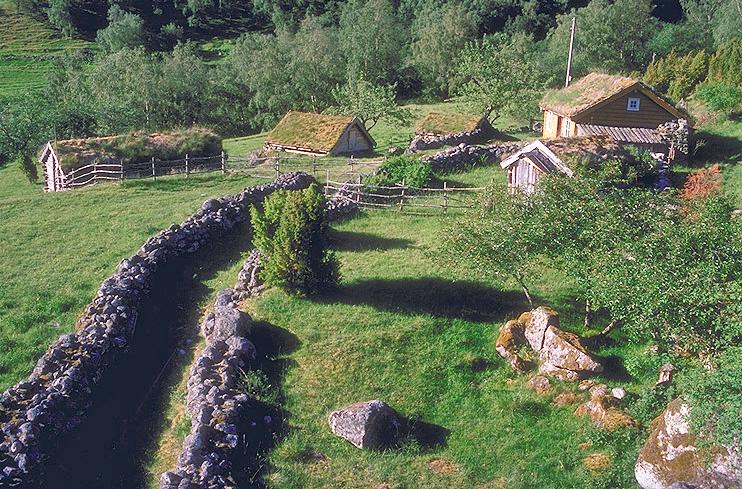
(26, 43)
(58, 248)
(404, 328)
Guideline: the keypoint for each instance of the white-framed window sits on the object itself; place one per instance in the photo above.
(633, 104)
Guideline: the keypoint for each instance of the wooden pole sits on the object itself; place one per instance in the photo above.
(401, 197)
(358, 194)
(445, 197)
(277, 166)
(121, 164)
(569, 57)
(154, 176)
(224, 163)
(314, 166)
(186, 164)
(327, 176)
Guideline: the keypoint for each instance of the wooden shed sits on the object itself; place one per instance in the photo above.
(607, 104)
(439, 123)
(526, 166)
(319, 134)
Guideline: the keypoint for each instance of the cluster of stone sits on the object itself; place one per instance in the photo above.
(54, 399)
(343, 204)
(560, 354)
(463, 156)
(432, 141)
(215, 401)
(603, 407)
(677, 134)
(674, 458)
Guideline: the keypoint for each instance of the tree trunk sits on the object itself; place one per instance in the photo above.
(611, 326)
(588, 314)
(525, 290)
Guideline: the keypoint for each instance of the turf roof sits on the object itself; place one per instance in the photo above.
(441, 123)
(585, 92)
(317, 132)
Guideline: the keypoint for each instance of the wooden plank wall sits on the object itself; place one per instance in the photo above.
(614, 113)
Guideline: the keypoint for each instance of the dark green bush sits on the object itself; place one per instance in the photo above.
(721, 97)
(291, 231)
(395, 170)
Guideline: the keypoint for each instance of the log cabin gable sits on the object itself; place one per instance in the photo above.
(636, 106)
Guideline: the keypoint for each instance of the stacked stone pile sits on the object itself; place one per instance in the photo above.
(463, 156)
(677, 134)
(432, 141)
(54, 399)
(215, 401)
(342, 205)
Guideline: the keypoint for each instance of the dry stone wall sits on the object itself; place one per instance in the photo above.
(428, 141)
(464, 156)
(54, 399)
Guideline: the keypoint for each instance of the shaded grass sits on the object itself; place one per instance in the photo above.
(58, 247)
(404, 327)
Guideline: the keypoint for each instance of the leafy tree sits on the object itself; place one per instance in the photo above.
(661, 72)
(438, 35)
(291, 231)
(691, 71)
(59, 16)
(370, 103)
(25, 124)
(717, 21)
(726, 64)
(125, 30)
(610, 36)
(372, 40)
(501, 75)
(185, 96)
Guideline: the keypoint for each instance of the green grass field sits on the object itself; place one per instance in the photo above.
(26, 44)
(58, 248)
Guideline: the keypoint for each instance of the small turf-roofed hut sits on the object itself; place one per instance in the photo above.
(63, 160)
(439, 123)
(319, 134)
(601, 104)
(526, 166)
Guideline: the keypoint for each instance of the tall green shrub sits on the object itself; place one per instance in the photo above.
(291, 231)
(411, 171)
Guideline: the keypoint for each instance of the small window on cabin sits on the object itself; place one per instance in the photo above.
(633, 105)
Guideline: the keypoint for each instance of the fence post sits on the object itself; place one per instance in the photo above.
(154, 175)
(401, 197)
(121, 165)
(351, 163)
(95, 172)
(445, 197)
(358, 195)
(186, 164)
(314, 166)
(224, 163)
(277, 167)
(327, 177)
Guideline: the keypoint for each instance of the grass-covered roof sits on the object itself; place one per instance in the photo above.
(137, 147)
(316, 132)
(585, 92)
(447, 123)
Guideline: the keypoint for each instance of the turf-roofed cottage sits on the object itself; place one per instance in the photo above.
(319, 134)
(74, 162)
(526, 166)
(617, 106)
(438, 123)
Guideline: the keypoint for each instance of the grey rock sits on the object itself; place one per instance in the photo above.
(370, 425)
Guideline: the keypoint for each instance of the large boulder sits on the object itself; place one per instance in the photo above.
(670, 457)
(372, 425)
(561, 354)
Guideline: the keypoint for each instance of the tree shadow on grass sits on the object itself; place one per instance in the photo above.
(265, 420)
(438, 297)
(353, 241)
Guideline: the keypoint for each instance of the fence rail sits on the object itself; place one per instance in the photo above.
(268, 168)
(404, 198)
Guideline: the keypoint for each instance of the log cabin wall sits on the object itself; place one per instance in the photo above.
(616, 113)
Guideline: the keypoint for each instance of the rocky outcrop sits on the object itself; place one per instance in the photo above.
(372, 425)
(560, 354)
(55, 398)
(670, 457)
(465, 156)
(603, 410)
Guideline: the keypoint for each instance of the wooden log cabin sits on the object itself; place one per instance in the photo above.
(617, 106)
(319, 134)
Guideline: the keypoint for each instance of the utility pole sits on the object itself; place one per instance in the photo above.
(569, 58)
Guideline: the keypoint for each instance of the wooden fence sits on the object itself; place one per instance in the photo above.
(403, 198)
(323, 168)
